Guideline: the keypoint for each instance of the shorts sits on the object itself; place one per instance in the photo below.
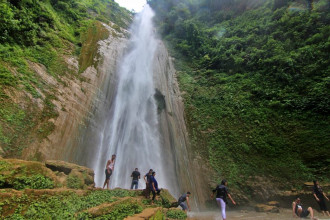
(107, 175)
(183, 206)
(304, 213)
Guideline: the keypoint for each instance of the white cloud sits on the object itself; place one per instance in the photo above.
(137, 5)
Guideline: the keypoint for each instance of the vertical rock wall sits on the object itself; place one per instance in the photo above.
(79, 100)
(188, 172)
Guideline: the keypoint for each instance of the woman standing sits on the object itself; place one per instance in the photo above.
(320, 197)
(221, 197)
(108, 170)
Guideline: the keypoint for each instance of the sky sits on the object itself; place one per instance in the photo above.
(137, 5)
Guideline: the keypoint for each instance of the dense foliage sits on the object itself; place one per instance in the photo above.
(44, 32)
(66, 205)
(256, 82)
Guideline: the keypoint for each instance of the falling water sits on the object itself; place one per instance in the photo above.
(131, 130)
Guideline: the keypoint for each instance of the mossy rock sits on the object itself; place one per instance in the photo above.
(20, 174)
(76, 177)
(120, 209)
(168, 201)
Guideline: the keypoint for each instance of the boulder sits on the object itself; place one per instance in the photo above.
(273, 203)
(72, 175)
(266, 208)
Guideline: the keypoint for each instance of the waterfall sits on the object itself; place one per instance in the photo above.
(131, 125)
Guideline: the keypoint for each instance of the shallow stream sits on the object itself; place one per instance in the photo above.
(285, 214)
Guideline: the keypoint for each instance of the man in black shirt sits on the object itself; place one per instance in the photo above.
(136, 177)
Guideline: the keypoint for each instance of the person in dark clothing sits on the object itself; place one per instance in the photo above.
(320, 197)
(154, 187)
(222, 193)
(147, 180)
(298, 211)
(135, 179)
(182, 199)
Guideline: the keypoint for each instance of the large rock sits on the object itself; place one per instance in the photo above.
(266, 208)
(21, 174)
(72, 175)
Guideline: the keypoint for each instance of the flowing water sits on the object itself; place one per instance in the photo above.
(284, 214)
(131, 128)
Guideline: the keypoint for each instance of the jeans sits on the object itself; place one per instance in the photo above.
(222, 205)
(136, 183)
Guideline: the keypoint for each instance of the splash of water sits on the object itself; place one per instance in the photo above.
(132, 128)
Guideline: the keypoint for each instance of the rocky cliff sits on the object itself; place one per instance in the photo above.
(77, 99)
(190, 171)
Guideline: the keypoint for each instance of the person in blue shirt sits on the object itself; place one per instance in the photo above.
(147, 180)
(154, 187)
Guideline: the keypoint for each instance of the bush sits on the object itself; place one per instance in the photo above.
(176, 214)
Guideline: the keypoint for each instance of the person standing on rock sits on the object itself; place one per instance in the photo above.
(320, 197)
(222, 193)
(136, 177)
(299, 212)
(147, 180)
(108, 170)
(154, 187)
(182, 199)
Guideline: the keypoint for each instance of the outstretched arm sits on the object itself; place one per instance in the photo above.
(325, 196)
(229, 196)
(187, 199)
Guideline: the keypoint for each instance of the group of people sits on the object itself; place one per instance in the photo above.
(221, 192)
(320, 197)
(151, 182)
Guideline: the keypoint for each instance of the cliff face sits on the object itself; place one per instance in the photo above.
(77, 99)
(191, 172)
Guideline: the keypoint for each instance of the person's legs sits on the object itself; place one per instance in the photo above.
(132, 184)
(136, 184)
(223, 209)
(147, 191)
(222, 206)
(183, 206)
(310, 210)
(153, 196)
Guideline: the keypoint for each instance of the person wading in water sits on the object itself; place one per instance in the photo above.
(108, 170)
(221, 197)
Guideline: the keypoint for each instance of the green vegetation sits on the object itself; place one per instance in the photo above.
(24, 176)
(176, 214)
(34, 32)
(255, 76)
(66, 205)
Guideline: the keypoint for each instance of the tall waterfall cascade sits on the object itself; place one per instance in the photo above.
(131, 131)
(139, 116)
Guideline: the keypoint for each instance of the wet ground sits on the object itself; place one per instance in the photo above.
(285, 214)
